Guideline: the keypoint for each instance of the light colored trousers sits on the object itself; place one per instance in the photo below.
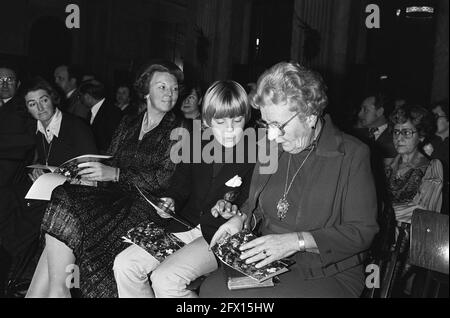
(169, 278)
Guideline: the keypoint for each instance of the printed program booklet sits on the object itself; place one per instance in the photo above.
(251, 277)
(154, 239)
(43, 187)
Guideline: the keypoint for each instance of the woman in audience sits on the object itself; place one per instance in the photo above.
(191, 103)
(414, 181)
(59, 136)
(194, 190)
(83, 225)
(318, 207)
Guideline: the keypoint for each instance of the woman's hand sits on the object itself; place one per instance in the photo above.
(225, 209)
(165, 204)
(96, 171)
(231, 227)
(269, 248)
(35, 173)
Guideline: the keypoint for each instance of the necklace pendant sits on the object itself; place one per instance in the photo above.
(282, 208)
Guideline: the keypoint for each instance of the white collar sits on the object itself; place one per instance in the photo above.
(70, 93)
(122, 107)
(53, 127)
(6, 100)
(380, 130)
(95, 109)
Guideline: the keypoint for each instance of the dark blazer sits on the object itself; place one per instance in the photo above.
(16, 152)
(339, 204)
(75, 139)
(196, 188)
(74, 106)
(16, 140)
(105, 123)
(383, 146)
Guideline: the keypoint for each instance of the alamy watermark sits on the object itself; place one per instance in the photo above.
(373, 19)
(73, 19)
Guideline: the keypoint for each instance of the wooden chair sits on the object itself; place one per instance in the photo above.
(429, 250)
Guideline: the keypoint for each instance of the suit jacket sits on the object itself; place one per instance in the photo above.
(338, 204)
(16, 140)
(16, 152)
(383, 147)
(74, 106)
(75, 139)
(196, 188)
(105, 123)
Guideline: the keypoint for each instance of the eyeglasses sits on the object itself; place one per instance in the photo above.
(9, 80)
(437, 116)
(274, 129)
(407, 133)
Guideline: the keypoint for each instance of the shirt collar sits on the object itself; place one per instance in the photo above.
(380, 130)
(6, 100)
(70, 93)
(53, 127)
(95, 109)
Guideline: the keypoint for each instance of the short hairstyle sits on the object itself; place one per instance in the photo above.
(73, 71)
(94, 88)
(145, 76)
(38, 83)
(188, 87)
(225, 99)
(12, 67)
(383, 100)
(443, 105)
(302, 89)
(421, 118)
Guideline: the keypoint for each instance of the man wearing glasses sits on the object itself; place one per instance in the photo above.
(16, 149)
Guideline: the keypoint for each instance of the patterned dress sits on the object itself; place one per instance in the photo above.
(92, 220)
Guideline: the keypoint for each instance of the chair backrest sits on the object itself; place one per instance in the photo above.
(429, 240)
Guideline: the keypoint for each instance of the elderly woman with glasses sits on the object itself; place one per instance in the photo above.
(318, 208)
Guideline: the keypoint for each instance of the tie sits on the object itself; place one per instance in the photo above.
(372, 132)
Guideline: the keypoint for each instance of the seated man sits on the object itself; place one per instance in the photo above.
(16, 149)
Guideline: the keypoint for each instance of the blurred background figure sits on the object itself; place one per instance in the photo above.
(104, 117)
(67, 78)
(123, 99)
(439, 145)
(190, 106)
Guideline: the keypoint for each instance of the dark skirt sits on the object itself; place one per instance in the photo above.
(91, 221)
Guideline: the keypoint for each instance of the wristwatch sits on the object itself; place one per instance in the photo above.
(301, 242)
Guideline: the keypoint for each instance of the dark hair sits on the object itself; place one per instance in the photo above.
(38, 83)
(93, 88)
(385, 101)
(73, 71)
(145, 75)
(443, 105)
(421, 118)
